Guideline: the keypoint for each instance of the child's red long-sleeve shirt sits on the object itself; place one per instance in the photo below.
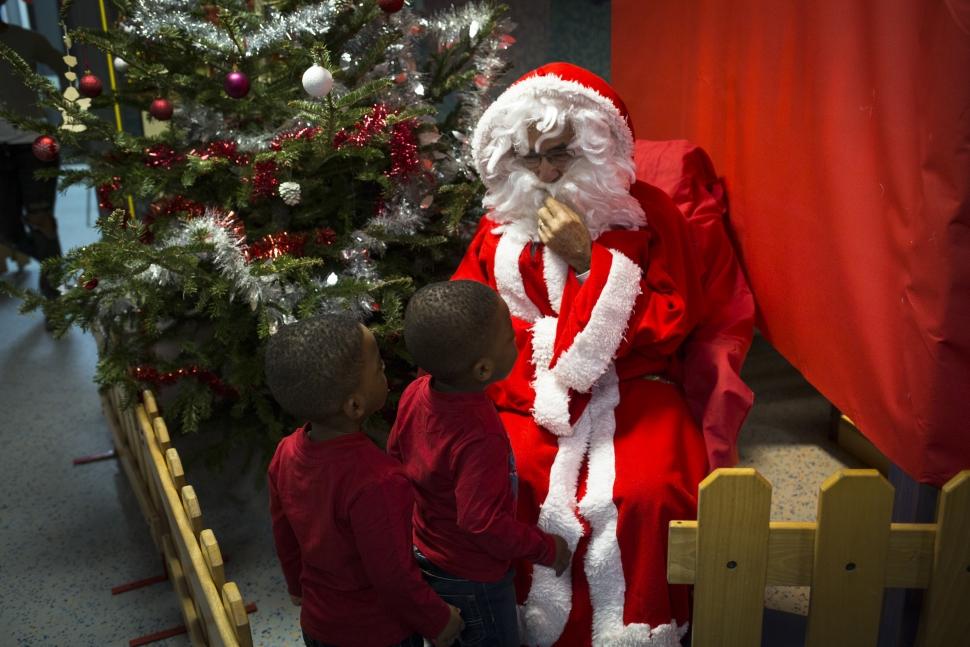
(342, 523)
(456, 453)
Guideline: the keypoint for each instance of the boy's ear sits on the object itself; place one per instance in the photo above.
(483, 369)
(353, 406)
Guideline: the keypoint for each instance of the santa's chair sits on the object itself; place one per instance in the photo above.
(714, 352)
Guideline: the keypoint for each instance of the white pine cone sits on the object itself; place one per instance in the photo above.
(290, 192)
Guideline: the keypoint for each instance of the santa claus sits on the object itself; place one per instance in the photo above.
(598, 273)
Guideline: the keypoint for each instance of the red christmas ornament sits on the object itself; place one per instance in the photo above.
(45, 148)
(161, 109)
(90, 86)
(390, 6)
(90, 285)
(236, 85)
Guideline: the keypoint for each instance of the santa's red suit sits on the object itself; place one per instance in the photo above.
(606, 448)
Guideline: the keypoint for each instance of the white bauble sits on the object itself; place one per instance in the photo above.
(121, 65)
(317, 81)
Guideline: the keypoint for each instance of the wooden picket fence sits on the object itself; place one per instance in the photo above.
(212, 608)
(848, 557)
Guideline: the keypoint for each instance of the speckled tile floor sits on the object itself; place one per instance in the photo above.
(68, 534)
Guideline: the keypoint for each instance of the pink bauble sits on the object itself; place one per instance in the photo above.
(45, 148)
(90, 86)
(236, 85)
(161, 109)
(390, 6)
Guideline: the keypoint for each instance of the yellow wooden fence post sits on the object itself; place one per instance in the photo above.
(851, 544)
(733, 510)
(945, 619)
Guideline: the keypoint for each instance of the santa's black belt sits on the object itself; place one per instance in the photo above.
(653, 377)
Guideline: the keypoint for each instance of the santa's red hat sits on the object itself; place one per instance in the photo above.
(570, 83)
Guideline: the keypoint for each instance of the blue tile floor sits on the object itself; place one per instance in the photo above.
(68, 534)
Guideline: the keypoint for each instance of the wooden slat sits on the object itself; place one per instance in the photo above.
(851, 439)
(213, 557)
(233, 602)
(946, 608)
(143, 429)
(177, 577)
(910, 558)
(851, 544)
(149, 511)
(151, 405)
(174, 465)
(190, 502)
(732, 554)
(791, 546)
(207, 598)
(161, 434)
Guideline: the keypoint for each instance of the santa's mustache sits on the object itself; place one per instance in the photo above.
(598, 192)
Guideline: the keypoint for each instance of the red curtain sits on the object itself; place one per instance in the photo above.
(843, 133)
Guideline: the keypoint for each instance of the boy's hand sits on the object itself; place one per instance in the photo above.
(454, 627)
(296, 600)
(563, 556)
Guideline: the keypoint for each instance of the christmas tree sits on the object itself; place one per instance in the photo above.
(314, 160)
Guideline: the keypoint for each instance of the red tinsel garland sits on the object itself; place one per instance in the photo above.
(363, 130)
(162, 156)
(306, 132)
(167, 207)
(104, 192)
(264, 179)
(404, 150)
(222, 148)
(155, 377)
(325, 236)
(277, 244)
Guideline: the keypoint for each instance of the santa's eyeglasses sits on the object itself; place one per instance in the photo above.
(559, 157)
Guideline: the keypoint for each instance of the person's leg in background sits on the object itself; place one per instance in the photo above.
(38, 199)
(13, 235)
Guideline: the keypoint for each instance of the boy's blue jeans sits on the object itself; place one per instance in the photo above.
(488, 608)
(413, 641)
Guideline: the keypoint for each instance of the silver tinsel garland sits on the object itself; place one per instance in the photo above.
(150, 19)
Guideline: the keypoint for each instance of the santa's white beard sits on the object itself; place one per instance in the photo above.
(597, 191)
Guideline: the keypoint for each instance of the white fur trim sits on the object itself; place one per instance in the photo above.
(508, 277)
(544, 86)
(554, 271)
(551, 404)
(593, 349)
(550, 408)
(546, 610)
(604, 568)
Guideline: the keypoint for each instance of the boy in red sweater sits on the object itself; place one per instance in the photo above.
(341, 508)
(454, 449)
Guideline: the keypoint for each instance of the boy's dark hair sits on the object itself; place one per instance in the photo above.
(313, 365)
(447, 326)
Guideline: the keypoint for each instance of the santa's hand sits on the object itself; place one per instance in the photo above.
(564, 232)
